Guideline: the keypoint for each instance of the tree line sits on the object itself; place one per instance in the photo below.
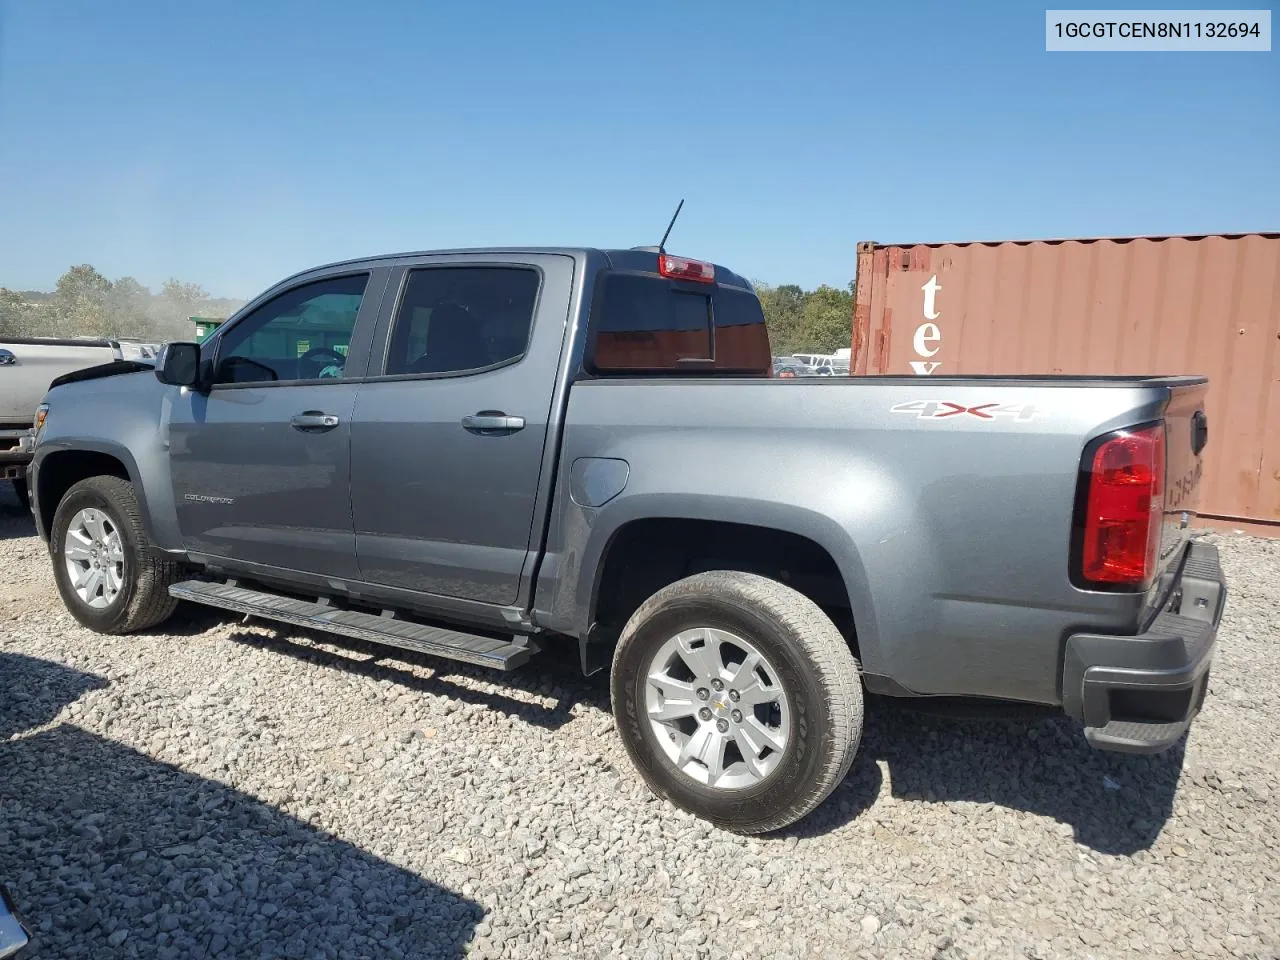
(807, 321)
(85, 303)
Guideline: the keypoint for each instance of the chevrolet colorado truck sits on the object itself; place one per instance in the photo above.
(481, 454)
(28, 365)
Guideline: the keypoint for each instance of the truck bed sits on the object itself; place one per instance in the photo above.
(941, 524)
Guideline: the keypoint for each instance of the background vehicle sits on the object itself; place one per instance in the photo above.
(823, 365)
(27, 366)
(420, 451)
(814, 366)
(791, 367)
(131, 349)
(827, 367)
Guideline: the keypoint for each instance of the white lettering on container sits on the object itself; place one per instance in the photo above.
(928, 333)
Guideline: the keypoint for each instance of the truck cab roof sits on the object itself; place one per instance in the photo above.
(643, 259)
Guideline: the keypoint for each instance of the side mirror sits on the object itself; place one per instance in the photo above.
(179, 364)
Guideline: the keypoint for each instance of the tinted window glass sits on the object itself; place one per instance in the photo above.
(742, 341)
(455, 319)
(646, 323)
(303, 334)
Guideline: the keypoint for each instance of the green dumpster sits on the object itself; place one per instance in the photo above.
(205, 326)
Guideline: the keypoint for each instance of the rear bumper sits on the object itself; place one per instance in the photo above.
(1139, 694)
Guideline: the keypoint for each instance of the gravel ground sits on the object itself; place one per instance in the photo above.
(230, 790)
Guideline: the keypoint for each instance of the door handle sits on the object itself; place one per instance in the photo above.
(313, 420)
(489, 421)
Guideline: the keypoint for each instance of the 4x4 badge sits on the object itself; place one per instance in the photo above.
(942, 409)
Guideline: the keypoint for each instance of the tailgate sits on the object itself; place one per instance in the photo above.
(1186, 433)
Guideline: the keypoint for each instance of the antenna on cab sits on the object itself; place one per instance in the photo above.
(663, 242)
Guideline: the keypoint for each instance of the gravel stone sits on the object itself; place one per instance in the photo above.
(227, 789)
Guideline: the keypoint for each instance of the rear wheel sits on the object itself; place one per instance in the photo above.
(737, 699)
(108, 575)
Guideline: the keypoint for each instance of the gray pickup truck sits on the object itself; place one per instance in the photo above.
(481, 454)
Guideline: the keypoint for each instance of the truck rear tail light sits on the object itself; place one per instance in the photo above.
(682, 268)
(1124, 506)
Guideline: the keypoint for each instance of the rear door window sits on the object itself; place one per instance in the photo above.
(454, 320)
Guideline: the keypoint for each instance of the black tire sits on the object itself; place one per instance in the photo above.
(23, 494)
(143, 600)
(813, 664)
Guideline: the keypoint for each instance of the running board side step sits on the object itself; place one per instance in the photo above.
(388, 630)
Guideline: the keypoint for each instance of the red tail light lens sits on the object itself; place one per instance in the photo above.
(681, 268)
(1121, 540)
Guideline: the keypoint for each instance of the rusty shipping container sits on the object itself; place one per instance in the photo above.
(1139, 305)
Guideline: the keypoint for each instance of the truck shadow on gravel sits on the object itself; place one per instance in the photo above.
(1114, 803)
(16, 521)
(33, 692)
(1019, 758)
(191, 620)
(554, 674)
(112, 854)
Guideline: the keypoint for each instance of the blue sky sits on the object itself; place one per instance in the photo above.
(231, 143)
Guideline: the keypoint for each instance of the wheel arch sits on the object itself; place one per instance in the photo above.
(57, 470)
(836, 578)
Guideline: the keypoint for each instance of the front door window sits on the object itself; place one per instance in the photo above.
(303, 334)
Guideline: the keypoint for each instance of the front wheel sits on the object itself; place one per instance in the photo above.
(737, 699)
(108, 575)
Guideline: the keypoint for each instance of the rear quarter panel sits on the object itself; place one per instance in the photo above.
(952, 533)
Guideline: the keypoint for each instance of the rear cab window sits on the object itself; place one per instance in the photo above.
(644, 323)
